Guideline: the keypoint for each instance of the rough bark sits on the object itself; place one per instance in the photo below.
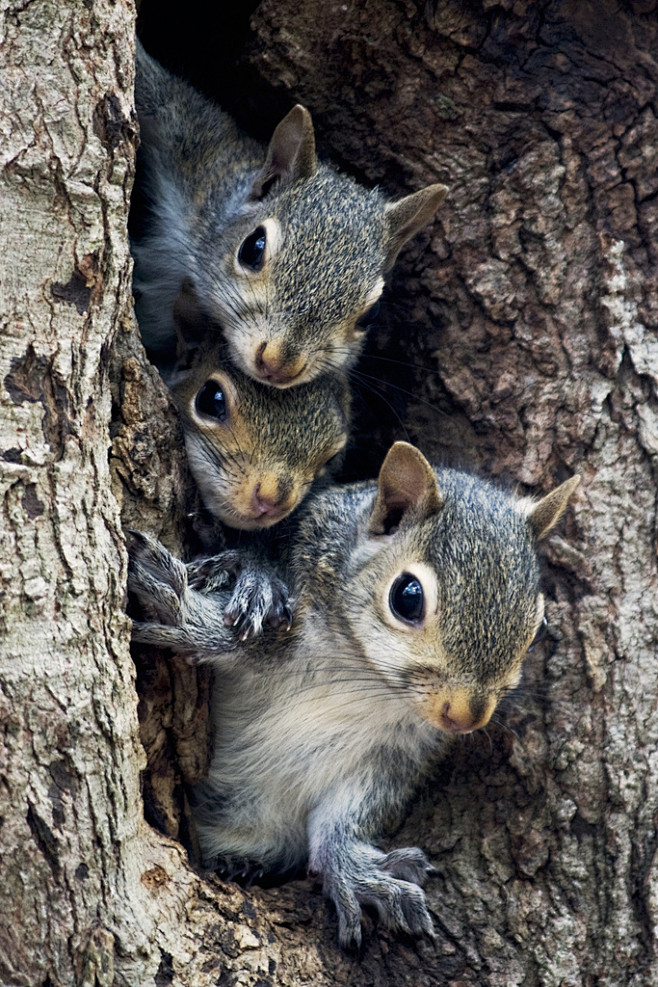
(521, 331)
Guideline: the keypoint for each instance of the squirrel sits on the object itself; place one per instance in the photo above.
(254, 451)
(284, 254)
(417, 598)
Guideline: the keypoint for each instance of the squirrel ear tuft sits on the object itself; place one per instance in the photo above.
(291, 154)
(546, 512)
(406, 484)
(406, 217)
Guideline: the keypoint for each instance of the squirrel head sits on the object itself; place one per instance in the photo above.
(449, 568)
(255, 451)
(300, 261)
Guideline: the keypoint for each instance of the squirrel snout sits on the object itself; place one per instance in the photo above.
(456, 720)
(459, 710)
(269, 499)
(275, 366)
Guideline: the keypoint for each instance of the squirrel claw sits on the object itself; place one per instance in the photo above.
(258, 599)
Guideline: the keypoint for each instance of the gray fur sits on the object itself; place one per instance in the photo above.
(199, 177)
(319, 735)
(292, 436)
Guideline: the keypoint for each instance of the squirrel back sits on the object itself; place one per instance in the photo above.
(282, 253)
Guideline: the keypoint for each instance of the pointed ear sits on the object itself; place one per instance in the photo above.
(291, 154)
(190, 322)
(406, 217)
(406, 485)
(544, 514)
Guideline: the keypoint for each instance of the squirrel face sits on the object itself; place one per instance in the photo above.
(295, 308)
(446, 598)
(283, 254)
(254, 452)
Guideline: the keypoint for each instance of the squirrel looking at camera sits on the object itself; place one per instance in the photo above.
(254, 451)
(282, 253)
(417, 598)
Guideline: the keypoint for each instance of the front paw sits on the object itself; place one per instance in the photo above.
(367, 878)
(258, 598)
(408, 863)
(156, 579)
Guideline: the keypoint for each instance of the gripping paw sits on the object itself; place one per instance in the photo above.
(387, 882)
(157, 579)
(258, 597)
(177, 616)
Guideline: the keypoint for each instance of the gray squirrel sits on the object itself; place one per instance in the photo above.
(281, 252)
(417, 599)
(255, 451)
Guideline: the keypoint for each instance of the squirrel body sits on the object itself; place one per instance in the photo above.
(281, 252)
(417, 599)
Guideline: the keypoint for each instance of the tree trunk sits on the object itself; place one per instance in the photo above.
(518, 339)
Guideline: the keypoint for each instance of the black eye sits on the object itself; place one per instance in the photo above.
(210, 401)
(252, 251)
(369, 316)
(542, 630)
(406, 598)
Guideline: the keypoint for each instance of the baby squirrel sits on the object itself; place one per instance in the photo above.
(282, 253)
(255, 451)
(418, 598)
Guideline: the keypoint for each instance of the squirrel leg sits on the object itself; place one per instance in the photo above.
(178, 617)
(355, 874)
(258, 598)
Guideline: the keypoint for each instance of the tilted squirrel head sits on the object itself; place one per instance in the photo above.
(255, 451)
(449, 568)
(301, 260)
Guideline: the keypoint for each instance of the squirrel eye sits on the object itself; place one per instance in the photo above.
(252, 251)
(406, 599)
(542, 630)
(210, 401)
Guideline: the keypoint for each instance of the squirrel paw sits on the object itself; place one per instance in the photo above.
(177, 617)
(259, 598)
(408, 863)
(156, 579)
(372, 880)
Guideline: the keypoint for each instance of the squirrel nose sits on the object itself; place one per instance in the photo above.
(275, 367)
(456, 719)
(462, 711)
(268, 499)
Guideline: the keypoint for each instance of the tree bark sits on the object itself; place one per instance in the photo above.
(518, 339)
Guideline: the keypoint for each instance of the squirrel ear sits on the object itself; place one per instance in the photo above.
(190, 322)
(544, 514)
(406, 217)
(291, 154)
(406, 484)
